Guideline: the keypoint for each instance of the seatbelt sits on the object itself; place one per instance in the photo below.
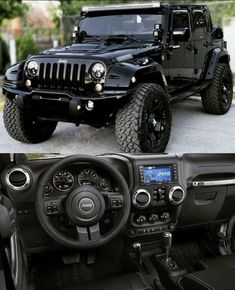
(6, 281)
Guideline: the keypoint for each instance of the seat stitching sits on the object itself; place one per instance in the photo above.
(143, 279)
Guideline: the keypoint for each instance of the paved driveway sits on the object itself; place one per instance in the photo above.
(192, 131)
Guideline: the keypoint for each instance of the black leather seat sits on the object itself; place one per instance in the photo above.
(131, 281)
(220, 278)
(228, 260)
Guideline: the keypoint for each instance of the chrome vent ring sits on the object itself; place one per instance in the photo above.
(18, 179)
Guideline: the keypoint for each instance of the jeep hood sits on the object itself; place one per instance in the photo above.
(103, 51)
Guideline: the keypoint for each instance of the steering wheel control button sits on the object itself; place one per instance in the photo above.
(86, 205)
(52, 208)
(141, 198)
(116, 202)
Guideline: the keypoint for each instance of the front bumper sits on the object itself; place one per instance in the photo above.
(65, 105)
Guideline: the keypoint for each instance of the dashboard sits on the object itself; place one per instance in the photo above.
(168, 192)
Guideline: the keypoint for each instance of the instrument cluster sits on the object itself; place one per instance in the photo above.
(65, 180)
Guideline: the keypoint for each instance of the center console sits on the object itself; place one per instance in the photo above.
(155, 199)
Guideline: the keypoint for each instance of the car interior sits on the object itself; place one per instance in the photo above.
(117, 221)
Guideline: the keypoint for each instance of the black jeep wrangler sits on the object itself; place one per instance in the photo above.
(127, 65)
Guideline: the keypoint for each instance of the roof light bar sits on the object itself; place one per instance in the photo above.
(121, 6)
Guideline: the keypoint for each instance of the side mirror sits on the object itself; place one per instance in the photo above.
(180, 34)
(218, 33)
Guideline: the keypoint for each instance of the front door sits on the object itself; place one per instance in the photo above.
(181, 58)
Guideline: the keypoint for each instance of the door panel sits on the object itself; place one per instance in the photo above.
(200, 36)
(181, 60)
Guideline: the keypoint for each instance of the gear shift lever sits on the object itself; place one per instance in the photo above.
(169, 262)
(137, 249)
(167, 240)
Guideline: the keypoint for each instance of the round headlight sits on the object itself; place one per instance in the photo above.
(98, 70)
(32, 68)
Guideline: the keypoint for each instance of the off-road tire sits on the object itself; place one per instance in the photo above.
(130, 123)
(23, 127)
(213, 99)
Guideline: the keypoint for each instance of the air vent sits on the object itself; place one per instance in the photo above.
(141, 198)
(176, 195)
(18, 179)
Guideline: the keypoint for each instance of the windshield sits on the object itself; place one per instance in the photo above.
(139, 25)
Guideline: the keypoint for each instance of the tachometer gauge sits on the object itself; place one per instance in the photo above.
(87, 176)
(105, 184)
(63, 180)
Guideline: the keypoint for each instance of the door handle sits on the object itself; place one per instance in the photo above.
(172, 46)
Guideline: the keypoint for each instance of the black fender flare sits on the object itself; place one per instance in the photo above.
(14, 73)
(215, 56)
(121, 75)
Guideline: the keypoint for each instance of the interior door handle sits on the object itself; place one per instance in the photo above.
(213, 182)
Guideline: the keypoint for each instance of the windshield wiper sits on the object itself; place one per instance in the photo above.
(83, 35)
(92, 36)
(122, 36)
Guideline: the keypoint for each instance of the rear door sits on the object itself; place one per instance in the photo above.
(201, 38)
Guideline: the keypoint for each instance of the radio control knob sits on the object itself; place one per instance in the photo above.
(141, 198)
(176, 195)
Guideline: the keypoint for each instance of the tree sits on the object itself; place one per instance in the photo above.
(25, 46)
(73, 7)
(11, 8)
(219, 10)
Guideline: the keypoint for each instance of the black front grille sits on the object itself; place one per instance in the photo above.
(61, 76)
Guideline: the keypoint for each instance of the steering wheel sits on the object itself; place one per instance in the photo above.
(84, 206)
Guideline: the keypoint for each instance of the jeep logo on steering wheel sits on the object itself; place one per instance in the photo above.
(86, 205)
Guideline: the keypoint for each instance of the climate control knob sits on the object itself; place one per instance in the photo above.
(176, 195)
(141, 198)
(153, 218)
(141, 219)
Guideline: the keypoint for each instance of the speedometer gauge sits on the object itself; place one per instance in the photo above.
(88, 176)
(63, 180)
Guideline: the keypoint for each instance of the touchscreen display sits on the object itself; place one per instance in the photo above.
(154, 174)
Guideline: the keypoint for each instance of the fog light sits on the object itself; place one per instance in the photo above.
(28, 83)
(133, 79)
(90, 106)
(98, 88)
